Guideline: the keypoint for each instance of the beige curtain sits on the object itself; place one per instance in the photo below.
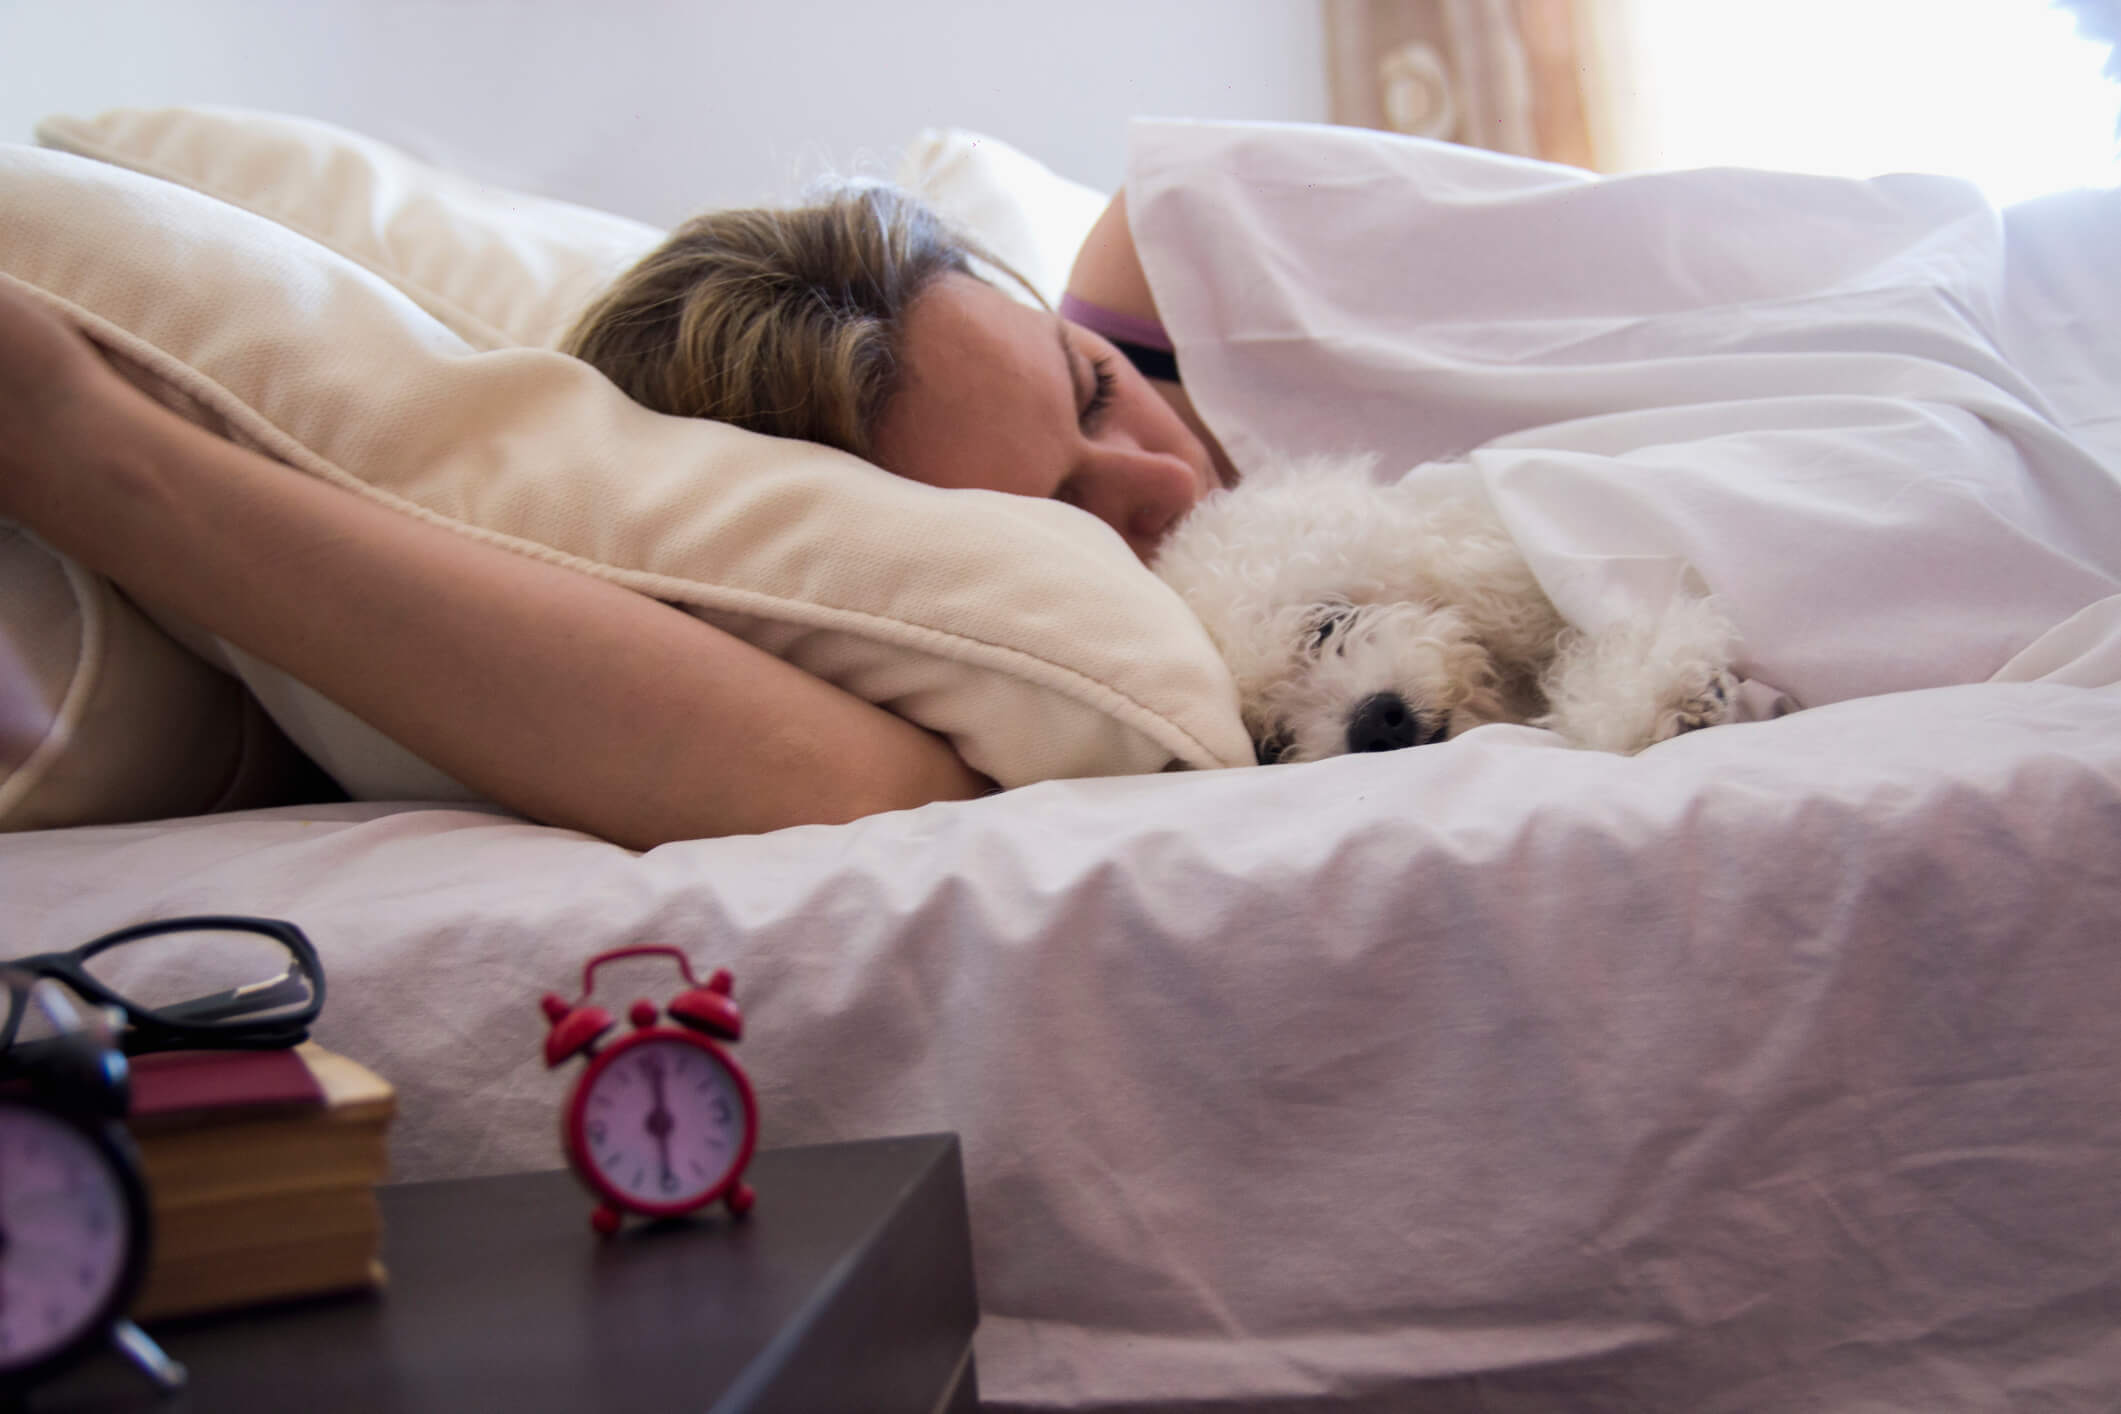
(1502, 74)
(1539, 78)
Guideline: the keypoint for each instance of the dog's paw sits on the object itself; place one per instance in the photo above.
(1635, 685)
(1708, 707)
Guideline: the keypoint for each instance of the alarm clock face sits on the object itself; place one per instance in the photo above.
(69, 1217)
(660, 1123)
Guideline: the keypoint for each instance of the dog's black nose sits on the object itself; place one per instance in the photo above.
(1383, 722)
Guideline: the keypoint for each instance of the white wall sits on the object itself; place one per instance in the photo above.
(657, 108)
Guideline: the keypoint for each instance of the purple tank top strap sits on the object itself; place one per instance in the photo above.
(1120, 328)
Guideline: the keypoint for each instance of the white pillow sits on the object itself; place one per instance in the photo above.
(1023, 211)
(1022, 630)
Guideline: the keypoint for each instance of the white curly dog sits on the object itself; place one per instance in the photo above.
(1367, 616)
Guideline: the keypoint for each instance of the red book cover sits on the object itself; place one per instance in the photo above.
(188, 1082)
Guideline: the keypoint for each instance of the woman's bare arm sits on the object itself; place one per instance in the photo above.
(1108, 273)
(567, 698)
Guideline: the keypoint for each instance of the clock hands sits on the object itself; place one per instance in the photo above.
(660, 1121)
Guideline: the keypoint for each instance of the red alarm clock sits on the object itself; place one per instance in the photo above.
(663, 1120)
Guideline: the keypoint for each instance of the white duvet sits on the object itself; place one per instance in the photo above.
(1881, 422)
(1773, 1069)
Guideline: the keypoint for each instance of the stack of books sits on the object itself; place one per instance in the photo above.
(261, 1168)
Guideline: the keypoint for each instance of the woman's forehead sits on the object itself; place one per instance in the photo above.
(963, 326)
(987, 397)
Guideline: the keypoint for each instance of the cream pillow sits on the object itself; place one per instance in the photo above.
(1022, 630)
(500, 268)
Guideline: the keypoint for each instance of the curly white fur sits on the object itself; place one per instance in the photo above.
(1365, 616)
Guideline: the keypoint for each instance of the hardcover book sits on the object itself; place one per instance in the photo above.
(262, 1168)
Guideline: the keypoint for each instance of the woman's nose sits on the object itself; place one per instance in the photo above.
(1139, 493)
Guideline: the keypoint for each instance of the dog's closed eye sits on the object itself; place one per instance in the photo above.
(1332, 618)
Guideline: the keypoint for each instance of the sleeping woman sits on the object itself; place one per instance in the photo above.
(859, 322)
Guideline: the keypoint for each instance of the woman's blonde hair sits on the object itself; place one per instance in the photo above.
(781, 320)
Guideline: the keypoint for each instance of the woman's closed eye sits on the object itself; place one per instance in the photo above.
(1102, 386)
(1100, 393)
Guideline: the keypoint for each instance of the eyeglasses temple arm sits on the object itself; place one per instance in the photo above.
(237, 1001)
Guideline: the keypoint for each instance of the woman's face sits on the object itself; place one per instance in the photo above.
(1007, 397)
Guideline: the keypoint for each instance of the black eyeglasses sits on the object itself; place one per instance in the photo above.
(213, 983)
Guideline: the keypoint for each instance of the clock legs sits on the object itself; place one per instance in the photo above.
(138, 1347)
(739, 1198)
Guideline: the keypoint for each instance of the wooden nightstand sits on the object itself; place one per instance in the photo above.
(848, 1288)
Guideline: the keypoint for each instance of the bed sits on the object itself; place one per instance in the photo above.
(1771, 1069)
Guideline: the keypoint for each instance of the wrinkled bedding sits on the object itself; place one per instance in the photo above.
(1770, 1070)
(1880, 421)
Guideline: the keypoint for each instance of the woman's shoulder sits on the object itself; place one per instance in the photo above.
(1108, 272)
(1108, 294)
(1108, 276)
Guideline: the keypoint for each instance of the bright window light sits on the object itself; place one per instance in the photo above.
(2002, 92)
